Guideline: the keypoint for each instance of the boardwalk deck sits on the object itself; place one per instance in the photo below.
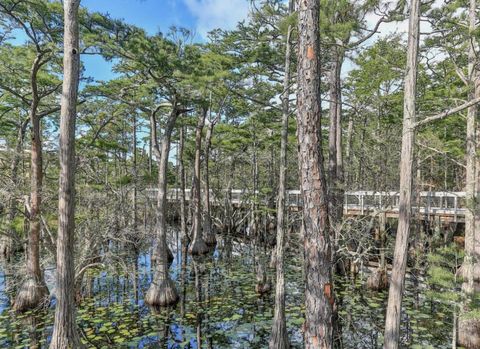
(444, 206)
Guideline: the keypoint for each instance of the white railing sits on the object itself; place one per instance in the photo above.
(356, 202)
(425, 203)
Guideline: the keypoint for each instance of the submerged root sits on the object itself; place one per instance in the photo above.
(198, 247)
(469, 333)
(378, 280)
(32, 294)
(161, 294)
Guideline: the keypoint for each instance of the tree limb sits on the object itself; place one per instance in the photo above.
(442, 153)
(446, 113)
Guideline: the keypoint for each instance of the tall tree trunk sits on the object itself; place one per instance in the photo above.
(469, 327)
(150, 151)
(65, 334)
(348, 152)
(319, 298)
(228, 207)
(162, 291)
(198, 245)
(397, 283)
(255, 172)
(7, 242)
(208, 233)
(33, 291)
(134, 240)
(135, 172)
(336, 184)
(181, 173)
(335, 156)
(340, 185)
(332, 138)
(335, 160)
(279, 336)
(339, 138)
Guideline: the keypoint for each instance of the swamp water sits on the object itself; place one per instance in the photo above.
(220, 309)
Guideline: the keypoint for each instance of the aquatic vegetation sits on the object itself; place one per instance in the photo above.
(219, 302)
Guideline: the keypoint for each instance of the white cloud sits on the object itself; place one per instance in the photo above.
(397, 27)
(386, 28)
(402, 27)
(212, 14)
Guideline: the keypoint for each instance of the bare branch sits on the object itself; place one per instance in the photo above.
(446, 113)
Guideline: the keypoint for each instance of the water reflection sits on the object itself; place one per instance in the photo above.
(219, 307)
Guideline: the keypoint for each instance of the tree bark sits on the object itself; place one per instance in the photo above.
(181, 173)
(468, 327)
(134, 238)
(33, 291)
(348, 152)
(135, 173)
(279, 336)
(198, 245)
(470, 185)
(335, 156)
(319, 299)
(7, 243)
(162, 291)
(208, 233)
(332, 137)
(339, 138)
(65, 333)
(397, 283)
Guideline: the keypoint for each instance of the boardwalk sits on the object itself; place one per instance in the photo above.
(443, 206)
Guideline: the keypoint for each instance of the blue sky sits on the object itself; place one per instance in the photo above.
(200, 16)
(152, 15)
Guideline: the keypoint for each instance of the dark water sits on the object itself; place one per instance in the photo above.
(220, 309)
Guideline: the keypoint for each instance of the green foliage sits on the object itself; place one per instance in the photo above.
(238, 75)
(442, 267)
